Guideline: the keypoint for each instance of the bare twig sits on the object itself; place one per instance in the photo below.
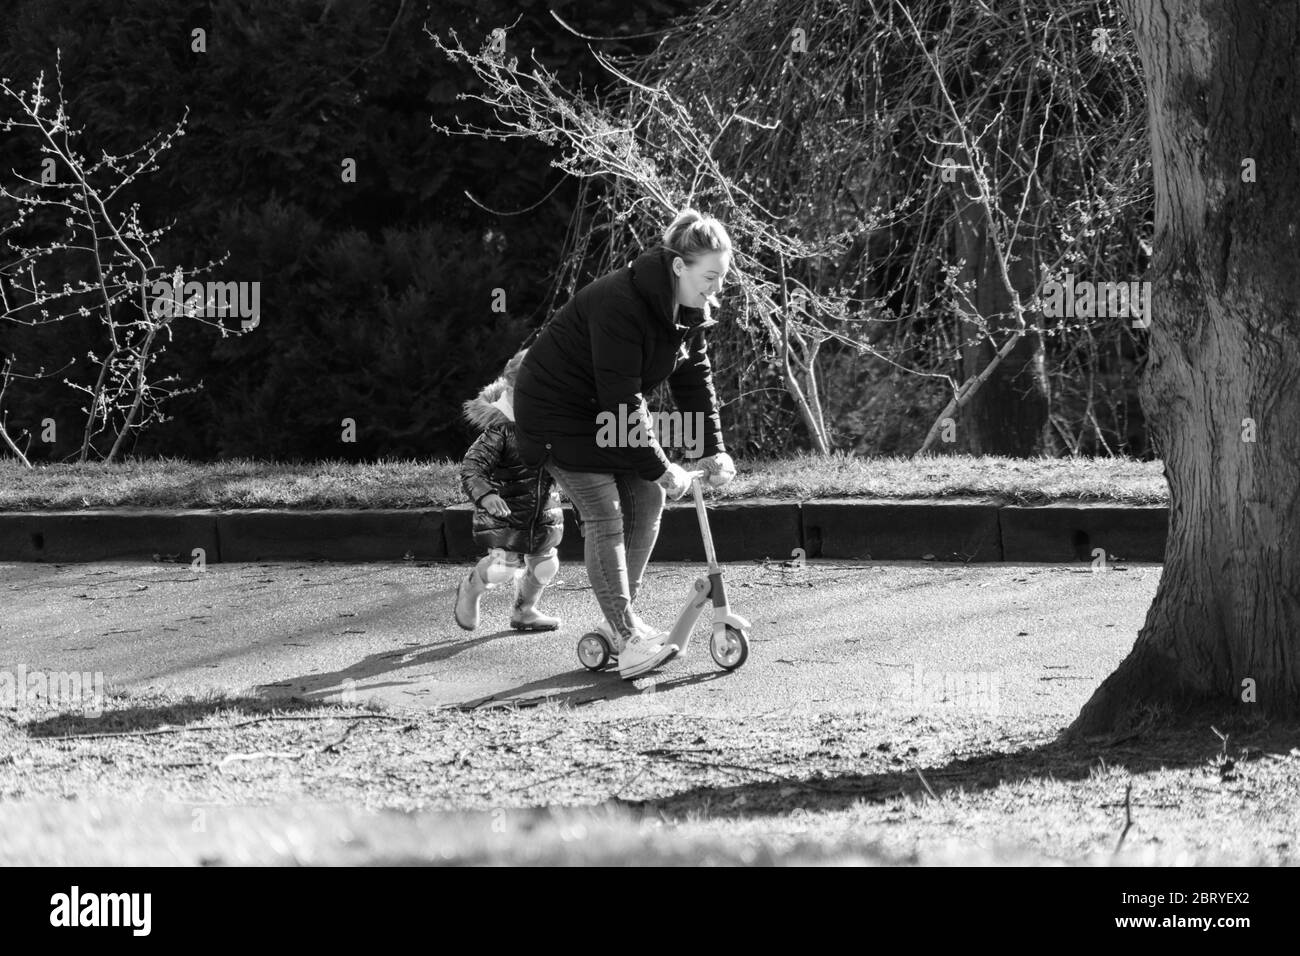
(1128, 815)
(926, 783)
(260, 755)
(333, 746)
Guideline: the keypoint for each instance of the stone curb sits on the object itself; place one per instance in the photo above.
(110, 535)
(901, 529)
(388, 534)
(1081, 532)
(949, 530)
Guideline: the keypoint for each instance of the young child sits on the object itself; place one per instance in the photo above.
(517, 516)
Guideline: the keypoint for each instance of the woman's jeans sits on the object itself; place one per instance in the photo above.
(620, 524)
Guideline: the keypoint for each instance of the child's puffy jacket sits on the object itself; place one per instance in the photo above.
(492, 464)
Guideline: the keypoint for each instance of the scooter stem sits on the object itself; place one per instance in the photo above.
(702, 513)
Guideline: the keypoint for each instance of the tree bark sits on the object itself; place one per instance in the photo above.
(1008, 415)
(1221, 80)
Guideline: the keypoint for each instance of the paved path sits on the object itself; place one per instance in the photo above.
(1029, 639)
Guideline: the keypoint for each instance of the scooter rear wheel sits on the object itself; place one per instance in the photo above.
(730, 650)
(594, 651)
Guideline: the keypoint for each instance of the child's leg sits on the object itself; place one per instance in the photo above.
(542, 567)
(539, 570)
(497, 567)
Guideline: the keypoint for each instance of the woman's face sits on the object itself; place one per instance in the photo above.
(700, 280)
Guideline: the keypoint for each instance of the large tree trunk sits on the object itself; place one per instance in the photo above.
(1222, 87)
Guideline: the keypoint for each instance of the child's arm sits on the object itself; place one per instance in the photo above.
(480, 461)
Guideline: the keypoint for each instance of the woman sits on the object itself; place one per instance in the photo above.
(616, 340)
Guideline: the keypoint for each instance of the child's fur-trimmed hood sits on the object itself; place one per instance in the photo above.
(482, 410)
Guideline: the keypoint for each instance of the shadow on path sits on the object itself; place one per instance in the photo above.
(166, 718)
(320, 685)
(1164, 746)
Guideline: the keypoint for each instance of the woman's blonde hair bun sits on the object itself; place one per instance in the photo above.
(692, 234)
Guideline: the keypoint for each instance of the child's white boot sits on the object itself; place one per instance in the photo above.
(539, 570)
(525, 616)
(472, 588)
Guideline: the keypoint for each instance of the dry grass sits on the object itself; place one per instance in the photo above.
(245, 780)
(1012, 480)
(245, 483)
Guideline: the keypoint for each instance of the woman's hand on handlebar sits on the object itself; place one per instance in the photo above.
(676, 481)
(719, 468)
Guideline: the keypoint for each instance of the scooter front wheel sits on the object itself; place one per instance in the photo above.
(594, 651)
(729, 649)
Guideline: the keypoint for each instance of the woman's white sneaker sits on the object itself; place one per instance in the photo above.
(645, 650)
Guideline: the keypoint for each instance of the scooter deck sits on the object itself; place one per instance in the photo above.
(700, 599)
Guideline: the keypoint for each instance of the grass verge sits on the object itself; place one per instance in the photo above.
(242, 780)
(247, 483)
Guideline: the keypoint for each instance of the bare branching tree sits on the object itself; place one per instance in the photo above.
(595, 142)
(900, 178)
(79, 250)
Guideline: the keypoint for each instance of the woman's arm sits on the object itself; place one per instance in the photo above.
(617, 346)
(692, 388)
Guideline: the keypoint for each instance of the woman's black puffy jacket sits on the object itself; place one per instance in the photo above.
(610, 345)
